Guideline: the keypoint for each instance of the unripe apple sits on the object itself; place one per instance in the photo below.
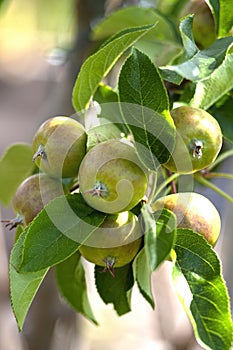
(193, 211)
(32, 195)
(198, 140)
(59, 145)
(115, 243)
(112, 178)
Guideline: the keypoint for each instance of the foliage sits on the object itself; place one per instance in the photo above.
(141, 102)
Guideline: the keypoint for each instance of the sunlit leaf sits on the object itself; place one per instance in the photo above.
(96, 67)
(58, 231)
(145, 105)
(211, 89)
(207, 301)
(23, 286)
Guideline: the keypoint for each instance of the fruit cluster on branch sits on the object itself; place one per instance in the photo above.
(112, 179)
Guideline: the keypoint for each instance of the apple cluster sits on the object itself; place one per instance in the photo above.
(111, 178)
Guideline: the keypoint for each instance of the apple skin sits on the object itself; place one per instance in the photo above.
(59, 146)
(194, 126)
(33, 194)
(112, 178)
(193, 211)
(115, 243)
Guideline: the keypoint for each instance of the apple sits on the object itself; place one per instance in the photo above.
(59, 145)
(193, 211)
(112, 178)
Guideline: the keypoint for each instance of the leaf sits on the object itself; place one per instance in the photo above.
(223, 14)
(208, 306)
(190, 47)
(210, 90)
(161, 43)
(105, 94)
(71, 281)
(23, 286)
(96, 67)
(15, 166)
(201, 65)
(142, 274)
(133, 16)
(58, 231)
(225, 17)
(145, 105)
(115, 290)
(160, 229)
(214, 5)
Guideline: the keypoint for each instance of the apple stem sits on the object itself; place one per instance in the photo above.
(209, 175)
(221, 158)
(173, 185)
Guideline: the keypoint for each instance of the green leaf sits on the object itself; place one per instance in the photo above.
(96, 67)
(105, 94)
(208, 304)
(135, 87)
(161, 43)
(71, 281)
(133, 16)
(223, 15)
(202, 64)
(115, 290)
(160, 229)
(211, 89)
(145, 105)
(23, 286)
(186, 31)
(58, 231)
(15, 166)
(142, 274)
(214, 5)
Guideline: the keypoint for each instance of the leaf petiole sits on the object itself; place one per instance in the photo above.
(210, 175)
(221, 158)
(215, 188)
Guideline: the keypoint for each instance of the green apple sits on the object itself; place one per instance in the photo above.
(193, 211)
(115, 243)
(198, 140)
(59, 145)
(32, 195)
(112, 178)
